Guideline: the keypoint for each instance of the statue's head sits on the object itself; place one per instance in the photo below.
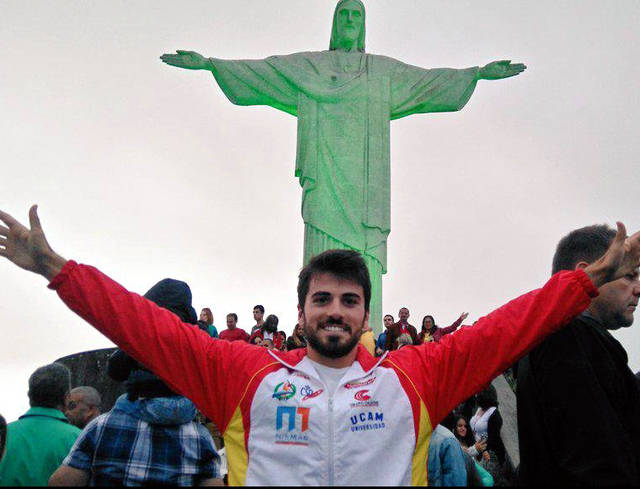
(348, 29)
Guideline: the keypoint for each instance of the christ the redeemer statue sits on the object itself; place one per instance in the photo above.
(344, 99)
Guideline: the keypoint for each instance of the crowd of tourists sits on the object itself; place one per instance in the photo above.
(265, 331)
(154, 435)
(327, 404)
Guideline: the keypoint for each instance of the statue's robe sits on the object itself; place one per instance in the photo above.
(344, 103)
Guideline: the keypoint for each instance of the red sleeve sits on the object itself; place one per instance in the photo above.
(461, 364)
(212, 373)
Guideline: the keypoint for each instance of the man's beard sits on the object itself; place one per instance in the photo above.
(334, 348)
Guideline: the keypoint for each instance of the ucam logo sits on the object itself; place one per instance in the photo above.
(291, 425)
(362, 395)
(367, 420)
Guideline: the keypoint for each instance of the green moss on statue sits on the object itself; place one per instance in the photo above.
(344, 100)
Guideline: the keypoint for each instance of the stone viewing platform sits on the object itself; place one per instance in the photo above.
(90, 368)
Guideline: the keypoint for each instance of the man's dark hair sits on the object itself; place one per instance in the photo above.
(48, 386)
(585, 244)
(233, 315)
(343, 264)
(388, 316)
(260, 308)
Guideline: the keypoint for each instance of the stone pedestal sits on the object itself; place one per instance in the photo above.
(90, 368)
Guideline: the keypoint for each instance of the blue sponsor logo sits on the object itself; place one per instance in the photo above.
(367, 420)
(292, 424)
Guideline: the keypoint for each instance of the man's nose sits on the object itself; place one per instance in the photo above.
(335, 309)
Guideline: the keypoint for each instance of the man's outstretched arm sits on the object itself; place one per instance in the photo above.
(465, 362)
(208, 371)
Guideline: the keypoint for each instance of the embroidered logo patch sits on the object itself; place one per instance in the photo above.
(362, 395)
(365, 421)
(284, 391)
(309, 393)
(363, 399)
(292, 424)
(355, 385)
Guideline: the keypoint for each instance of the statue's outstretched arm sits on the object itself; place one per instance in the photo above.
(244, 82)
(189, 60)
(496, 70)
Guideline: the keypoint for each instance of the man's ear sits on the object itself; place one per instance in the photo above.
(365, 323)
(300, 312)
(581, 265)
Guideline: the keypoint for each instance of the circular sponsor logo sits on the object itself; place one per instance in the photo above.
(362, 395)
(284, 391)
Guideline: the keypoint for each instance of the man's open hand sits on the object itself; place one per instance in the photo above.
(28, 248)
(621, 259)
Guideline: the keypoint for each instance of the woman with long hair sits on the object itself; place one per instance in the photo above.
(432, 332)
(205, 322)
(464, 435)
(297, 339)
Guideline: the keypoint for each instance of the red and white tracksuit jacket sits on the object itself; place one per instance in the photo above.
(279, 423)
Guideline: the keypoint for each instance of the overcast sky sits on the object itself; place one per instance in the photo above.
(148, 171)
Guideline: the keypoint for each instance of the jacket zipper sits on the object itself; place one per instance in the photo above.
(330, 457)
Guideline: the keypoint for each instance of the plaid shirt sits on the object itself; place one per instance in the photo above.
(122, 447)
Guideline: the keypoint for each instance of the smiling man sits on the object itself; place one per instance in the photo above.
(324, 415)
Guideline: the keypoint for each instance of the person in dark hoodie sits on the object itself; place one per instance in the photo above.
(149, 437)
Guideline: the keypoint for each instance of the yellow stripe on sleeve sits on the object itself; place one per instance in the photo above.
(419, 462)
(237, 459)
